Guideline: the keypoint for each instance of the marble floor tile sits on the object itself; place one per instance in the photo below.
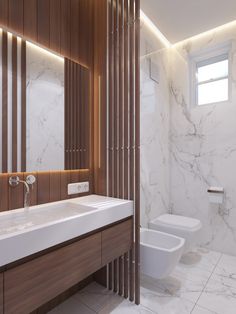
(172, 286)
(201, 310)
(201, 258)
(72, 306)
(127, 307)
(227, 267)
(218, 297)
(98, 298)
(163, 304)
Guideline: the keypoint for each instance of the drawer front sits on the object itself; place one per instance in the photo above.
(1, 293)
(116, 241)
(34, 283)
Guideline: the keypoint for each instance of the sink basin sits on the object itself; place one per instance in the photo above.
(22, 220)
(25, 232)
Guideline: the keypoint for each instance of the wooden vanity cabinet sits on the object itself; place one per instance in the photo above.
(116, 241)
(1, 293)
(32, 284)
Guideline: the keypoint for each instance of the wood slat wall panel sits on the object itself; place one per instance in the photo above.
(16, 194)
(49, 187)
(14, 104)
(122, 103)
(4, 192)
(43, 21)
(55, 27)
(16, 15)
(4, 102)
(4, 13)
(65, 27)
(23, 105)
(30, 19)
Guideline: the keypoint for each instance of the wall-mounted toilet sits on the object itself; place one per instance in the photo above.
(184, 227)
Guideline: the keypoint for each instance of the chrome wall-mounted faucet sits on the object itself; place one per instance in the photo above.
(30, 180)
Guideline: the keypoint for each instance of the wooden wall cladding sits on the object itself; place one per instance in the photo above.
(117, 109)
(63, 26)
(49, 187)
(1, 293)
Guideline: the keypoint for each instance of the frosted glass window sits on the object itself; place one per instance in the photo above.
(212, 80)
(213, 92)
(213, 71)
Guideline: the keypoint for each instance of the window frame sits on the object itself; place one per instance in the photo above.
(206, 57)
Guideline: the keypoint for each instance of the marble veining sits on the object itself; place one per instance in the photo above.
(180, 293)
(45, 110)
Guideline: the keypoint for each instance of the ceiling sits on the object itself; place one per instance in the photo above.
(181, 19)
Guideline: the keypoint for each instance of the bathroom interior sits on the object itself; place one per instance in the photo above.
(117, 157)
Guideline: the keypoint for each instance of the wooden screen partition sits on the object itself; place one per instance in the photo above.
(117, 125)
(49, 187)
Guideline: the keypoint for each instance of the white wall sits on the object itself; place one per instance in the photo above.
(203, 148)
(154, 127)
(185, 149)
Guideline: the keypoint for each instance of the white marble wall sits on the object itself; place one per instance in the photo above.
(154, 127)
(185, 149)
(45, 110)
(203, 148)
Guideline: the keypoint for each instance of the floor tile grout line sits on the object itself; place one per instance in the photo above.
(196, 303)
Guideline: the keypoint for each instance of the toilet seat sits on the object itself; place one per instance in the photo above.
(182, 222)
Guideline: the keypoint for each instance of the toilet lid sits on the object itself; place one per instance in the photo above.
(178, 221)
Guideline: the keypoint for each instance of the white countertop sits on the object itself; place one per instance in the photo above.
(25, 232)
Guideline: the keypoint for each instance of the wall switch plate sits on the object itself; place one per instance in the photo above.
(77, 188)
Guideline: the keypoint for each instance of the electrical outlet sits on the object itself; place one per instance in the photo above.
(77, 188)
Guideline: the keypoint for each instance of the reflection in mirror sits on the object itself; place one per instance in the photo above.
(44, 109)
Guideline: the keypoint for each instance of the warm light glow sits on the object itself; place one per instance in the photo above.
(209, 32)
(45, 51)
(154, 29)
(35, 46)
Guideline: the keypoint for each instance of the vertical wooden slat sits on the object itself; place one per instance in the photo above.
(55, 186)
(4, 13)
(137, 151)
(14, 104)
(66, 110)
(30, 19)
(16, 13)
(65, 180)
(16, 194)
(126, 100)
(4, 102)
(4, 192)
(43, 187)
(121, 275)
(115, 274)
(23, 105)
(111, 98)
(131, 133)
(55, 24)
(126, 276)
(43, 19)
(74, 30)
(121, 103)
(65, 28)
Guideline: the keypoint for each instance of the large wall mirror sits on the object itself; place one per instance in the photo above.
(44, 109)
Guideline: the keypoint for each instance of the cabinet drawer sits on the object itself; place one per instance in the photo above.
(34, 283)
(1, 293)
(116, 241)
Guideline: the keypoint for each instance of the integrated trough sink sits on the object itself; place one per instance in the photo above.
(24, 232)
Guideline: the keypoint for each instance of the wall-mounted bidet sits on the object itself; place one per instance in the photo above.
(159, 253)
(180, 226)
